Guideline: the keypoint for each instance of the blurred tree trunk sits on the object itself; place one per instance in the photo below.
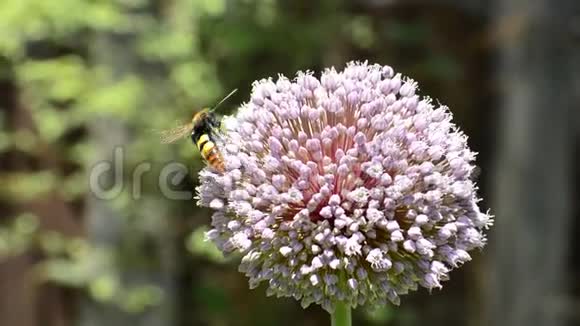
(104, 224)
(532, 186)
(23, 300)
(107, 226)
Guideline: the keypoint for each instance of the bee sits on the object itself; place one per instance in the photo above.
(204, 131)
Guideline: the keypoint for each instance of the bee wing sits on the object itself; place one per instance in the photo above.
(176, 133)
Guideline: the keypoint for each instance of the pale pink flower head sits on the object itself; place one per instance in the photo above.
(347, 188)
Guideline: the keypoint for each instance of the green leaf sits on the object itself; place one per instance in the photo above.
(197, 245)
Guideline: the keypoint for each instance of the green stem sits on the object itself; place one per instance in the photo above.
(341, 315)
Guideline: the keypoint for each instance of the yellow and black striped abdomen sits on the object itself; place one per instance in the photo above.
(210, 153)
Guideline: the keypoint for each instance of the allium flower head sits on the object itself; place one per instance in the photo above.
(346, 188)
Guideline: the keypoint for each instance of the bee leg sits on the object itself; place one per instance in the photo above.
(213, 120)
(219, 137)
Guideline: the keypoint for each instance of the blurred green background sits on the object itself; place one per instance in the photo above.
(81, 78)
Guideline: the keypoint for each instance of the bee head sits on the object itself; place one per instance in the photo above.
(200, 117)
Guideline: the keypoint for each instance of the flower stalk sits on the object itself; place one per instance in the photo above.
(341, 316)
